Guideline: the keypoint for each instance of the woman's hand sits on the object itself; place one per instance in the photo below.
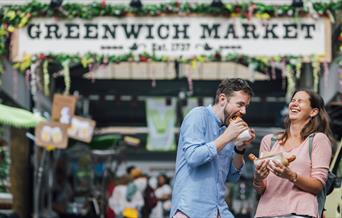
(281, 170)
(261, 173)
(262, 170)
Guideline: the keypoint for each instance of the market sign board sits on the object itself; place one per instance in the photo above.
(63, 108)
(175, 36)
(81, 128)
(51, 134)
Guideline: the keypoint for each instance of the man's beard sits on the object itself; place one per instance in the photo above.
(226, 117)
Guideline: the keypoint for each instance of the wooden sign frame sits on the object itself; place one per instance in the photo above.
(81, 128)
(51, 134)
(63, 108)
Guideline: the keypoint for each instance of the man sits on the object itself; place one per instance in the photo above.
(207, 156)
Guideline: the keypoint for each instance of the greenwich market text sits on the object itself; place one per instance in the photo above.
(93, 31)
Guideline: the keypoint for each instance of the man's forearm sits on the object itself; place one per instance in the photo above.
(221, 142)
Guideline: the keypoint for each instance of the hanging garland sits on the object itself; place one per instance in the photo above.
(18, 16)
(46, 77)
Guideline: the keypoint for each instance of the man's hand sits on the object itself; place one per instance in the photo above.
(234, 129)
(245, 143)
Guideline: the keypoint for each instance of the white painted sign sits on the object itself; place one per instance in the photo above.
(176, 36)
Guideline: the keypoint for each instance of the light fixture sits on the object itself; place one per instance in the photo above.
(297, 3)
(217, 4)
(135, 4)
(56, 3)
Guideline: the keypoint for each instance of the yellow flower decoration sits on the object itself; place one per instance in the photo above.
(11, 15)
(26, 63)
(234, 14)
(85, 61)
(10, 28)
(201, 58)
(23, 21)
(3, 32)
(193, 64)
(265, 16)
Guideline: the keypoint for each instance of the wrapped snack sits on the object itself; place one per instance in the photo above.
(236, 116)
(245, 135)
(272, 156)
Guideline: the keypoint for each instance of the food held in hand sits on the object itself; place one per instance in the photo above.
(244, 136)
(269, 156)
(236, 116)
(252, 157)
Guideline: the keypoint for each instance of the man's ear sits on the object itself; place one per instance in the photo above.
(314, 112)
(222, 99)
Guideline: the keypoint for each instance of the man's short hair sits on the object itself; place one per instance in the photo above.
(229, 86)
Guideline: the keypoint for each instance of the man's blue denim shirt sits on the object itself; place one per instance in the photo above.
(201, 171)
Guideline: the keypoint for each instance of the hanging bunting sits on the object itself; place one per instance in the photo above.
(67, 81)
(27, 78)
(161, 120)
(298, 65)
(91, 69)
(283, 72)
(46, 78)
(189, 74)
(326, 73)
(252, 67)
(33, 83)
(315, 72)
(291, 84)
(151, 73)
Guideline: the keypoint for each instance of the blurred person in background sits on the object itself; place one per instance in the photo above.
(163, 194)
(207, 155)
(150, 199)
(296, 185)
(126, 202)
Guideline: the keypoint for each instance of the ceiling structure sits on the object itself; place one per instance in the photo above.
(116, 97)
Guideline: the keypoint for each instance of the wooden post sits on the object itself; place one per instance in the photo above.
(20, 175)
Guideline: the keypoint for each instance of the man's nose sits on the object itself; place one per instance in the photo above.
(243, 110)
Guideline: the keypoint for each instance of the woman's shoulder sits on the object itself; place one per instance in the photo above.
(268, 137)
(321, 137)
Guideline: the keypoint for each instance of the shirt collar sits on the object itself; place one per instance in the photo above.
(217, 119)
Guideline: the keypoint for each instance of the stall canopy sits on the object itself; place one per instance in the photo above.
(18, 117)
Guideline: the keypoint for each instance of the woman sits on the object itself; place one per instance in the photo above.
(163, 194)
(291, 191)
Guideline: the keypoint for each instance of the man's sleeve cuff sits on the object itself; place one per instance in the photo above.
(212, 149)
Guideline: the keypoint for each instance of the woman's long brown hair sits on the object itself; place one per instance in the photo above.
(318, 123)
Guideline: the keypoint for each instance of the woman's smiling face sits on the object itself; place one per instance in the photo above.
(300, 107)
